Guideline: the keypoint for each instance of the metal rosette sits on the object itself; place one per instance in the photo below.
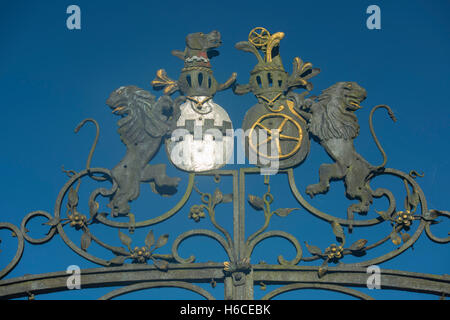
(276, 137)
(203, 138)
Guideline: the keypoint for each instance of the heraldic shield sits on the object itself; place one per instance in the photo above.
(275, 135)
(276, 132)
(202, 138)
(236, 208)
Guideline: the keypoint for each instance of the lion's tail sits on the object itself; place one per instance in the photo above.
(377, 142)
(94, 144)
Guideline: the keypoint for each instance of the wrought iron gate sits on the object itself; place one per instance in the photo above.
(144, 267)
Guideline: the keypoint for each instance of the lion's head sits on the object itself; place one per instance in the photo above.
(333, 115)
(140, 111)
(350, 95)
(124, 99)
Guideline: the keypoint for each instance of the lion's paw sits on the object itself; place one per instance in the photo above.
(314, 189)
(310, 191)
(172, 182)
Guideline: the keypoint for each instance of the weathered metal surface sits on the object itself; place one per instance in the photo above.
(157, 284)
(277, 132)
(239, 282)
(300, 286)
(335, 125)
(148, 121)
(110, 276)
(19, 251)
(202, 138)
(344, 277)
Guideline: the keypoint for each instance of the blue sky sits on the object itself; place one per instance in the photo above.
(51, 78)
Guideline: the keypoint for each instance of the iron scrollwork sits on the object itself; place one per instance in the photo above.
(146, 123)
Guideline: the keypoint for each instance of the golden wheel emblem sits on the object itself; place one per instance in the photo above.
(273, 137)
(259, 37)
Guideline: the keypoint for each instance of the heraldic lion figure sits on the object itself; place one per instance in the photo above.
(144, 123)
(335, 125)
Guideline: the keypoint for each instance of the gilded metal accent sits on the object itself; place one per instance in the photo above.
(273, 86)
(277, 133)
(150, 263)
(259, 36)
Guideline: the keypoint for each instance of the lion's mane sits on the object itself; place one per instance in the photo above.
(330, 119)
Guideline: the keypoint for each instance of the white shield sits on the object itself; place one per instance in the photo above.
(203, 139)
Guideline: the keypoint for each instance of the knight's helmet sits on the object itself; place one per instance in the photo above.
(278, 107)
(202, 138)
(196, 78)
(268, 78)
(197, 81)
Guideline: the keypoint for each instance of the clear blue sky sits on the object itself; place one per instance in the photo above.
(51, 78)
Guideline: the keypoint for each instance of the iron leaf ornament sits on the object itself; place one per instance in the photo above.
(142, 254)
(279, 127)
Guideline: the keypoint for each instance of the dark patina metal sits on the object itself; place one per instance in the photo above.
(335, 125)
(145, 124)
(147, 121)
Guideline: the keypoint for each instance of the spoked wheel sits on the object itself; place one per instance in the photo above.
(287, 130)
(259, 37)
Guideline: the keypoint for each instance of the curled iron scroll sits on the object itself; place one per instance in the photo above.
(199, 232)
(270, 234)
(330, 218)
(408, 179)
(19, 251)
(30, 216)
(158, 219)
(157, 284)
(318, 286)
(428, 230)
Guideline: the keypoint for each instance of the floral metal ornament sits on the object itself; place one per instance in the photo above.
(144, 253)
(215, 203)
(202, 139)
(277, 130)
